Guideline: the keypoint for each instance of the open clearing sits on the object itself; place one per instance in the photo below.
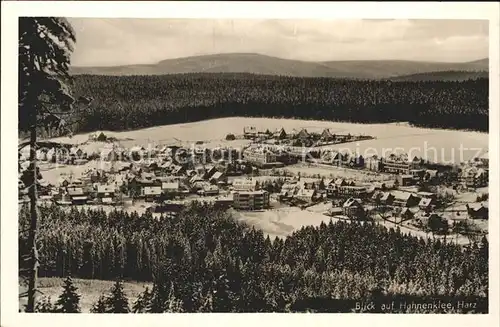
(90, 290)
(281, 221)
(432, 144)
(338, 172)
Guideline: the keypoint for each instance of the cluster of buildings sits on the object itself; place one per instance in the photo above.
(166, 175)
(160, 178)
(474, 177)
(325, 137)
(336, 158)
(90, 188)
(341, 188)
(392, 164)
(474, 174)
(354, 200)
(401, 206)
(59, 154)
(410, 171)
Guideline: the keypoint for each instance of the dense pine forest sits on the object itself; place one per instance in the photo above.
(132, 102)
(204, 260)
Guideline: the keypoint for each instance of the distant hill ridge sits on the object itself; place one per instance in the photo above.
(267, 65)
(451, 75)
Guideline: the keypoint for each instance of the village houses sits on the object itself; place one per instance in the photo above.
(474, 177)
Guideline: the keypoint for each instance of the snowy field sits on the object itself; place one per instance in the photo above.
(89, 289)
(327, 171)
(433, 144)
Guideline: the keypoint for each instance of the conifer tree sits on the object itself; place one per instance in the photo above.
(321, 185)
(206, 301)
(69, 300)
(45, 305)
(45, 46)
(117, 301)
(173, 304)
(235, 268)
(138, 304)
(99, 306)
(143, 300)
(157, 302)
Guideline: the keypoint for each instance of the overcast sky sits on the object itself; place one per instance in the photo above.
(117, 41)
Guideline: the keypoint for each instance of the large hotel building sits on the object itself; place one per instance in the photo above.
(250, 200)
(400, 164)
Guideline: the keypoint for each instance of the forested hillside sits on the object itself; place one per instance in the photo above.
(267, 65)
(204, 255)
(132, 102)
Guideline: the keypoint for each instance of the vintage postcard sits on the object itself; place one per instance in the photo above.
(223, 162)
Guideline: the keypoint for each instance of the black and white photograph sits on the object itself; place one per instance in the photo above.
(253, 165)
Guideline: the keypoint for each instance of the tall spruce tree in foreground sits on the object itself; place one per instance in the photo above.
(45, 45)
(117, 301)
(69, 300)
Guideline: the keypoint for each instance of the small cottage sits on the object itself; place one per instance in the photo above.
(326, 135)
(77, 153)
(426, 204)
(249, 132)
(63, 181)
(209, 172)
(477, 210)
(280, 135)
(178, 170)
(406, 214)
(218, 178)
(109, 154)
(208, 190)
(288, 190)
(405, 199)
(305, 195)
(405, 180)
(195, 179)
(106, 191)
(353, 209)
(77, 196)
(152, 193)
(303, 134)
(171, 188)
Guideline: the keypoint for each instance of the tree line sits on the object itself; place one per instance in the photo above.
(132, 102)
(205, 260)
